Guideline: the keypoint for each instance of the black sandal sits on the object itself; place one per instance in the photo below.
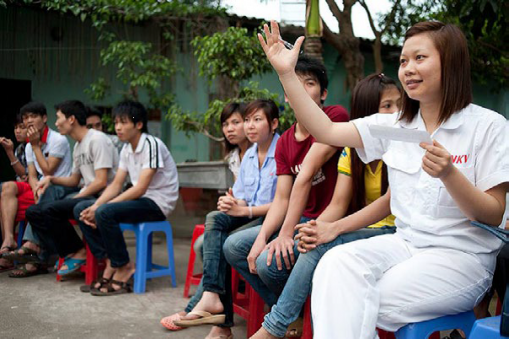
(28, 255)
(125, 287)
(102, 283)
(23, 272)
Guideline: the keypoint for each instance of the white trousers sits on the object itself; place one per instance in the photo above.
(387, 283)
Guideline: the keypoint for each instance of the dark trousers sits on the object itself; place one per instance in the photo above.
(51, 220)
(107, 240)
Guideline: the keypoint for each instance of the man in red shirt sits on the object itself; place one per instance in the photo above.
(316, 166)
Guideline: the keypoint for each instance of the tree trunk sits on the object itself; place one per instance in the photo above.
(313, 47)
(353, 60)
(377, 54)
(346, 43)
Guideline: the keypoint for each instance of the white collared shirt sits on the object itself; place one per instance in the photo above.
(426, 215)
(57, 146)
(151, 152)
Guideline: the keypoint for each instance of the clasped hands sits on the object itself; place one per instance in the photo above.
(229, 204)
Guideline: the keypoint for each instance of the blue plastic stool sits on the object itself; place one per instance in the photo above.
(21, 231)
(487, 328)
(424, 329)
(145, 269)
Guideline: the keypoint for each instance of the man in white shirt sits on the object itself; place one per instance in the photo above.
(95, 159)
(152, 197)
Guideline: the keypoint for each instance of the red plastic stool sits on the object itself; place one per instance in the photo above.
(307, 329)
(248, 305)
(191, 278)
(91, 267)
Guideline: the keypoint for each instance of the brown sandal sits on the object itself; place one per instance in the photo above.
(102, 283)
(125, 287)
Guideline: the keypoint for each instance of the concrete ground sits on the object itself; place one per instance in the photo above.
(41, 307)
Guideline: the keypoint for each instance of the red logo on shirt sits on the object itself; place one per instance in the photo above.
(459, 159)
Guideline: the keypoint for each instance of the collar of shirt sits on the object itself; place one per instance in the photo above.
(454, 121)
(140, 145)
(272, 148)
(44, 137)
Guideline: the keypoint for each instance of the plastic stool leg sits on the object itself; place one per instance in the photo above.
(171, 256)
(21, 231)
(149, 252)
(256, 313)
(307, 329)
(92, 269)
(141, 260)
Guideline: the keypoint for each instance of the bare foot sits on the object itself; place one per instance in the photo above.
(122, 274)
(209, 302)
(262, 334)
(217, 332)
(81, 254)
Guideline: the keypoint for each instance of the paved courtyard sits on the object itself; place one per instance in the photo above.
(41, 307)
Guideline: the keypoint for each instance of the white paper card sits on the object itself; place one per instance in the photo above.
(399, 134)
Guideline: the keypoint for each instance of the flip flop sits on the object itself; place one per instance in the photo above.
(29, 255)
(205, 318)
(72, 266)
(168, 322)
(23, 272)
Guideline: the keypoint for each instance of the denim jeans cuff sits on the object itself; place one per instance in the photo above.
(214, 289)
(272, 329)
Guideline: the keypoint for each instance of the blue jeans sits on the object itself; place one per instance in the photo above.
(107, 240)
(50, 219)
(216, 271)
(52, 193)
(199, 251)
(298, 286)
(269, 282)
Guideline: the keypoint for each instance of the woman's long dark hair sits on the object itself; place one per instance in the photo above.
(227, 112)
(366, 101)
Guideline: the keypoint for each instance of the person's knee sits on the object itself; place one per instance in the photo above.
(80, 207)
(216, 220)
(9, 189)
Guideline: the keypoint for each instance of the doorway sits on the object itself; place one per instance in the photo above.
(15, 94)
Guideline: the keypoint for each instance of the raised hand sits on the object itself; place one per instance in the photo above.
(282, 59)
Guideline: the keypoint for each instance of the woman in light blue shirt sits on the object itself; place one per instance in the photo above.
(248, 202)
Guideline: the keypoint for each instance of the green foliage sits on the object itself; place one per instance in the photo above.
(208, 123)
(137, 66)
(234, 54)
(103, 11)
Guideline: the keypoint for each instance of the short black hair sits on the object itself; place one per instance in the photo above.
(18, 120)
(133, 111)
(74, 108)
(34, 107)
(307, 65)
(94, 111)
